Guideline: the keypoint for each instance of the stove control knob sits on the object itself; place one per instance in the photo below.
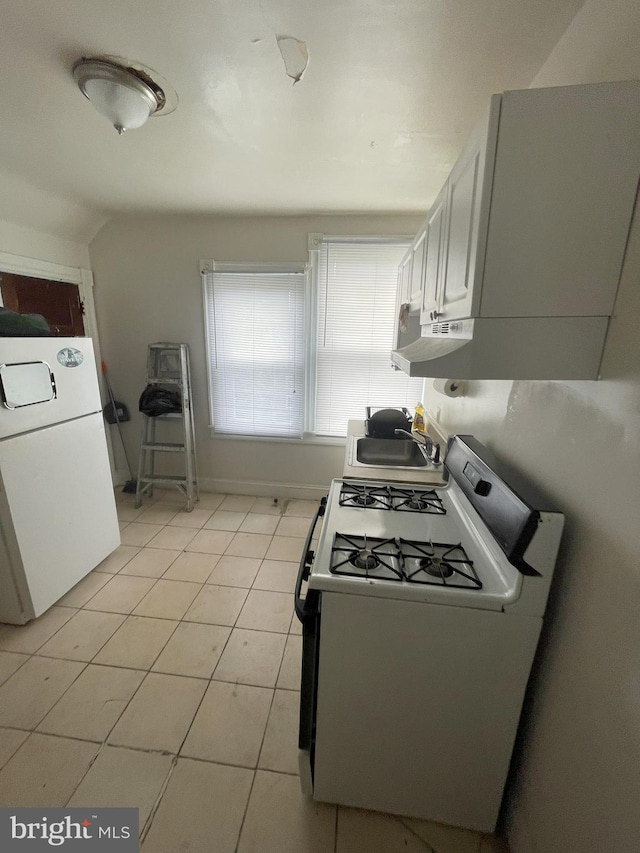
(482, 488)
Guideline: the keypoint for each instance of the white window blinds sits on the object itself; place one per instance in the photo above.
(357, 284)
(256, 350)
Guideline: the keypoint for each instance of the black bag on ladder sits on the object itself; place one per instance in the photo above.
(155, 401)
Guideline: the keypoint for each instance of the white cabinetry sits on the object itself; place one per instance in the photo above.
(411, 272)
(403, 297)
(466, 219)
(410, 279)
(525, 243)
(404, 279)
(433, 258)
(417, 267)
(562, 195)
(535, 214)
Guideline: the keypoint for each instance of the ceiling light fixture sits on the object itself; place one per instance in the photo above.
(126, 96)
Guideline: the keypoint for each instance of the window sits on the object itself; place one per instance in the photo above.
(289, 357)
(256, 350)
(356, 283)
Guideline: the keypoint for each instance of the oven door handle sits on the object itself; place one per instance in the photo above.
(306, 560)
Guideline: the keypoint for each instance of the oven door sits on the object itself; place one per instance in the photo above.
(308, 612)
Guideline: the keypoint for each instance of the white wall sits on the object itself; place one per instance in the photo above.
(43, 246)
(577, 784)
(36, 223)
(148, 288)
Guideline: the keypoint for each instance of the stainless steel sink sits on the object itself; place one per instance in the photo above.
(389, 453)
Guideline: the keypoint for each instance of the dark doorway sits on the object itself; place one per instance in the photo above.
(58, 301)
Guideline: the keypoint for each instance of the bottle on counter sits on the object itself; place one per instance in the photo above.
(418, 419)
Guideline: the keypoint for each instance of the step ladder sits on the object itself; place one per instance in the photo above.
(168, 367)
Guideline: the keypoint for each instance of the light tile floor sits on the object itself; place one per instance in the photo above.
(168, 680)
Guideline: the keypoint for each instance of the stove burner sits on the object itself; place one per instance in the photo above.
(438, 563)
(435, 566)
(364, 556)
(410, 500)
(417, 503)
(364, 559)
(364, 499)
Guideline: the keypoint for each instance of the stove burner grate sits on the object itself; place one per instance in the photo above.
(438, 563)
(366, 557)
(414, 500)
(363, 496)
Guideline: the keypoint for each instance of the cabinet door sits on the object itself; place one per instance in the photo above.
(433, 258)
(466, 221)
(565, 183)
(404, 278)
(58, 302)
(402, 295)
(417, 267)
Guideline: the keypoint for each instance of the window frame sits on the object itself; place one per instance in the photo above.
(315, 241)
(310, 268)
(209, 266)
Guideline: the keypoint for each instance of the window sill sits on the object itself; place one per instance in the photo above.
(308, 439)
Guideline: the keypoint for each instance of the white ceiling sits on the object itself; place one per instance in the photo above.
(392, 90)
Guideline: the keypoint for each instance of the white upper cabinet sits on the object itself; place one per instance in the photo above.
(402, 295)
(404, 279)
(564, 186)
(534, 217)
(417, 267)
(434, 228)
(466, 220)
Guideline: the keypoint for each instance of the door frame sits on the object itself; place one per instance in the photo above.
(68, 275)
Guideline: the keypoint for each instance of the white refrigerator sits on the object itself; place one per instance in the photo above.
(57, 507)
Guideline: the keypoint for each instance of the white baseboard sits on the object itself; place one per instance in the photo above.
(262, 488)
(248, 487)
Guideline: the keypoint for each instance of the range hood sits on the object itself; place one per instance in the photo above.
(507, 348)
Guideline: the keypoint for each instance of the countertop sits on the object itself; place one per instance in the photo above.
(429, 476)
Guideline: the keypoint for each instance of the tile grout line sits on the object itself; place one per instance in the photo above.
(246, 809)
(84, 775)
(103, 744)
(154, 809)
(27, 658)
(427, 846)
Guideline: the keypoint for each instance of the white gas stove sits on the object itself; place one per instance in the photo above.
(420, 624)
(415, 544)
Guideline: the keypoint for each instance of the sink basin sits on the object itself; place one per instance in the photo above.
(389, 453)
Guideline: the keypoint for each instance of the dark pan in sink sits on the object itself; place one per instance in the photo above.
(390, 451)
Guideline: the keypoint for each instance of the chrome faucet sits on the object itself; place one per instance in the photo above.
(413, 436)
(430, 449)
